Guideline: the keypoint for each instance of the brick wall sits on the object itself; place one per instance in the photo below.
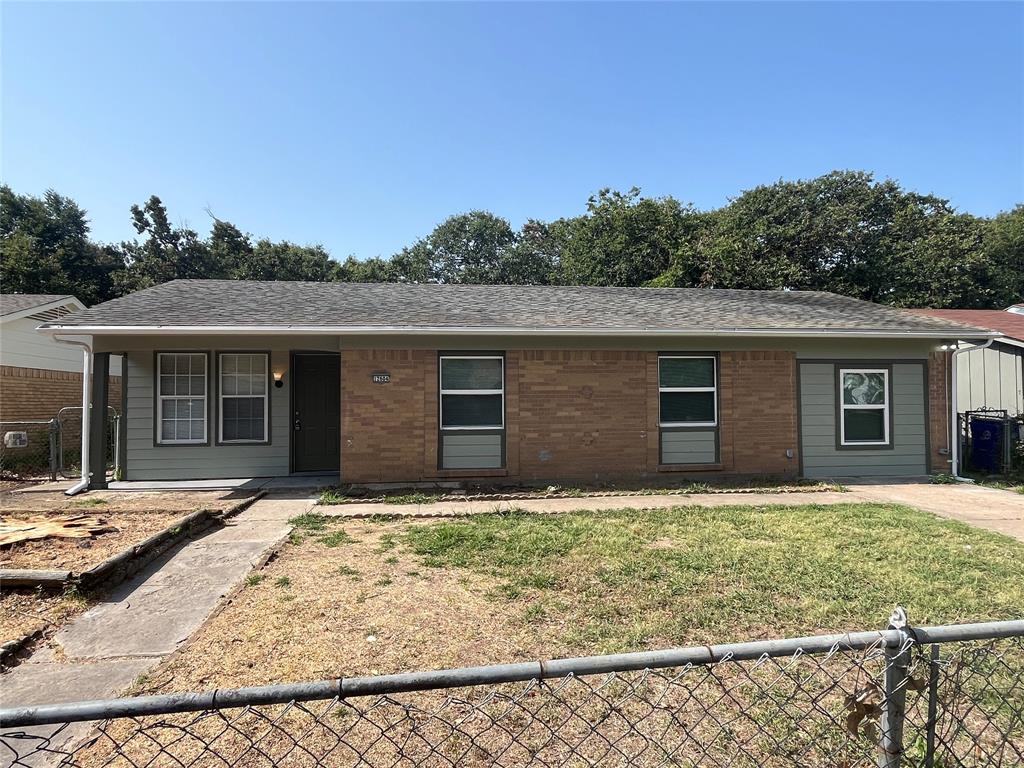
(759, 414)
(938, 411)
(34, 393)
(571, 416)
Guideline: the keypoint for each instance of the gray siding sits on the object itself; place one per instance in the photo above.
(818, 428)
(991, 378)
(467, 450)
(147, 461)
(688, 446)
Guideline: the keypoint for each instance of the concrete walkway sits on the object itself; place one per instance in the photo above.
(552, 506)
(106, 648)
(989, 508)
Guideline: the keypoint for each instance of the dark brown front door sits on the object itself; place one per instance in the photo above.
(316, 412)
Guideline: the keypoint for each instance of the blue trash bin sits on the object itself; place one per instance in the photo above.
(987, 444)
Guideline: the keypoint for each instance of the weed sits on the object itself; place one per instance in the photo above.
(93, 501)
(352, 573)
(282, 581)
(942, 479)
(383, 582)
(388, 541)
(390, 559)
(310, 521)
(254, 579)
(336, 539)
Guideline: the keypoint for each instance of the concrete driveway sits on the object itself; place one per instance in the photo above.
(996, 510)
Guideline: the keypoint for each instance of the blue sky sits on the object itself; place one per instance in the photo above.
(361, 126)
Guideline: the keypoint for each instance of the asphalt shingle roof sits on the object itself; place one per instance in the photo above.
(184, 304)
(1010, 324)
(17, 302)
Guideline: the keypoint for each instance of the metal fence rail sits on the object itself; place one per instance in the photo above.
(939, 696)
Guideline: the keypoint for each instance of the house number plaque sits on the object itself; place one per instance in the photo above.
(380, 377)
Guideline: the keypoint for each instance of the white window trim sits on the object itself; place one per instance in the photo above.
(160, 398)
(221, 397)
(843, 407)
(714, 390)
(443, 392)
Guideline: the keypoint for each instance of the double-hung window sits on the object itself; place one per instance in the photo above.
(472, 392)
(181, 387)
(244, 402)
(864, 406)
(472, 412)
(687, 391)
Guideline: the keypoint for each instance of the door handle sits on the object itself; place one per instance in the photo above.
(298, 425)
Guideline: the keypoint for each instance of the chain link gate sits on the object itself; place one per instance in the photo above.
(52, 448)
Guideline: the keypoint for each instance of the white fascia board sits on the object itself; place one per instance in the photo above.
(198, 330)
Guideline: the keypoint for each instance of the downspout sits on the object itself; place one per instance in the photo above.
(954, 432)
(83, 484)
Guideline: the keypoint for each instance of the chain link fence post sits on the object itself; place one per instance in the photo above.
(933, 707)
(897, 662)
(54, 427)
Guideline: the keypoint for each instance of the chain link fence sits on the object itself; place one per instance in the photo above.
(51, 448)
(931, 697)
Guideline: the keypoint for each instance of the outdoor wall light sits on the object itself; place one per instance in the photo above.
(278, 379)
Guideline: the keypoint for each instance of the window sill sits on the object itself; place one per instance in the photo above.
(691, 467)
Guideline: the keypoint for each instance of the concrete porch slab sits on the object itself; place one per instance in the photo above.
(288, 482)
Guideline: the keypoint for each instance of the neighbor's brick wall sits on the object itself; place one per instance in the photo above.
(571, 415)
(36, 394)
(938, 411)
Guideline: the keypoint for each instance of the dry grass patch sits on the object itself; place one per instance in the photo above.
(23, 613)
(365, 606)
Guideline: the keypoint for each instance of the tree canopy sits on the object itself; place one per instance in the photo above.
(843, 232)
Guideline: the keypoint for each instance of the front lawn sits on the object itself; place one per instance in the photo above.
(348, 597)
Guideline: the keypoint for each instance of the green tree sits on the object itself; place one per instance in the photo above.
(46, 249)
(167, 253)
(1003, 248)
(623, 239)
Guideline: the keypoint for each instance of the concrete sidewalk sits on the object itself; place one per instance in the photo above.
(989, 508)
(105, 649)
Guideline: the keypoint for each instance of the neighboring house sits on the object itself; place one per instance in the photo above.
(991, 378)
(38, 375)
(519, 384)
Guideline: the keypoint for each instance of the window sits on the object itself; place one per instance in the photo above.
(864, 406)
(181, 397)
(688, 392)
(472, 392)
(243, 396)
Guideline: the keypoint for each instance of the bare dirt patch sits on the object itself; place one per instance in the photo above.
(133, 516)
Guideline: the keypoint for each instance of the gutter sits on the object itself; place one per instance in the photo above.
(954, 446)
(83, 484)
(276, 330)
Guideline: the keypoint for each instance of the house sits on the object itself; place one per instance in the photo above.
(992, 377)
(410, 383)
(38, 375)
